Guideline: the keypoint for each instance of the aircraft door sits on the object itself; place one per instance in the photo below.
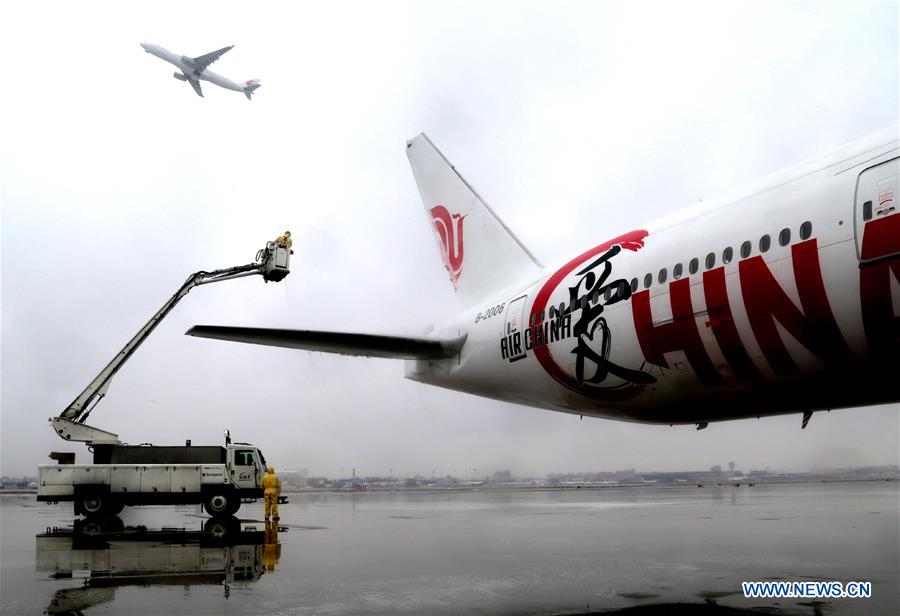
(877, 212)
(514, 328)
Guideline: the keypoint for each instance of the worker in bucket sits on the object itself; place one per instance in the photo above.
(285, 240)
(271, 489)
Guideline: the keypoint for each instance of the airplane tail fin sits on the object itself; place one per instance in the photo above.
(480, 252)
(251, 86)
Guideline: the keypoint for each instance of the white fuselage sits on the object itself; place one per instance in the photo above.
(183, 64)
(783, 299)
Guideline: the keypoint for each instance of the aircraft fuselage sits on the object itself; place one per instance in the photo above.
(783, 299)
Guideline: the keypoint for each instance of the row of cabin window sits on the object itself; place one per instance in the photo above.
(765, 242)
(784, 238)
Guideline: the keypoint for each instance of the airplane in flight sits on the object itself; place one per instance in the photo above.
(195, 70)
(782, 299)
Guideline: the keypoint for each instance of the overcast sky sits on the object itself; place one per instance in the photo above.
(575, 121)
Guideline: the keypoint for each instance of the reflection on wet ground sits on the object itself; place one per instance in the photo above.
(113, 555)
(611, 551)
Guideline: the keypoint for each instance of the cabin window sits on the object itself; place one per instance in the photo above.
(764, 243)
(727, 255)
(244, 457)
(608, 293)
(663, 274)
(677, 271)
(595, 298)
(648, 280)
(634, 285)
(784, 238)
(710, 260)
(746, 247)
(867, 210)
(694, 265)
(542, 317)
(805, 230)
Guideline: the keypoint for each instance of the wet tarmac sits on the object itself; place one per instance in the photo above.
(637, 551)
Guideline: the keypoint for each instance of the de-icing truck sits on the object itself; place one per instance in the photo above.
(219, 477)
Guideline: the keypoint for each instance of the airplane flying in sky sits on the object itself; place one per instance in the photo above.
(195, 70)
(782, 299)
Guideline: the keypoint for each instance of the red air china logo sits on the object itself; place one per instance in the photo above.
(449, 228)
(569, 308)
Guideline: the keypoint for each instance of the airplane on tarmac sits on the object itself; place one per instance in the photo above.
(195, 70)
(784, 299)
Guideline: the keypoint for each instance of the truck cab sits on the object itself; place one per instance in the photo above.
(247, 465)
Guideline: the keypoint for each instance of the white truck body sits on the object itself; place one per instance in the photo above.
(60, 480)
(134, 479)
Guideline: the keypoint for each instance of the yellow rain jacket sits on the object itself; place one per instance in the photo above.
(271, 489)
(271, 483)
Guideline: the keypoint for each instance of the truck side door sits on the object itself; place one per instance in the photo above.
(244, 467)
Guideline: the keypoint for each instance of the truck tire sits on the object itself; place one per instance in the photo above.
(220, 504)
(93, 527)
(94, 503)
(222, 527)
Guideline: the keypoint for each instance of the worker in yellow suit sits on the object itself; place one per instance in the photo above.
(271, 489)
(285, 240)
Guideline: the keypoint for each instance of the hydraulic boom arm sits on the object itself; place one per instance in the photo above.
(272, 263)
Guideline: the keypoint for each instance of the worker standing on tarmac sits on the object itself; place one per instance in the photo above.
(284, 240)
(271, 489)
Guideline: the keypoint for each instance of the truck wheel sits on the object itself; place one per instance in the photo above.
(218, 504)
(94, 504)
(222, 527)
(93, 527)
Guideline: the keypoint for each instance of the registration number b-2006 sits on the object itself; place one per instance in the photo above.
(490, 312)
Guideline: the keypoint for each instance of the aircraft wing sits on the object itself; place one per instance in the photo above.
(196, 85)
(201, 62)
(364, 345)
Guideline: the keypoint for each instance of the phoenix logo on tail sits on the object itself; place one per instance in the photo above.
(451, 236)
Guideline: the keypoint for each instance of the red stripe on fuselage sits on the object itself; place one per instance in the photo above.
(882, 326)
(766, 302)
(881, 238)
(722, 324)
(681, 334)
